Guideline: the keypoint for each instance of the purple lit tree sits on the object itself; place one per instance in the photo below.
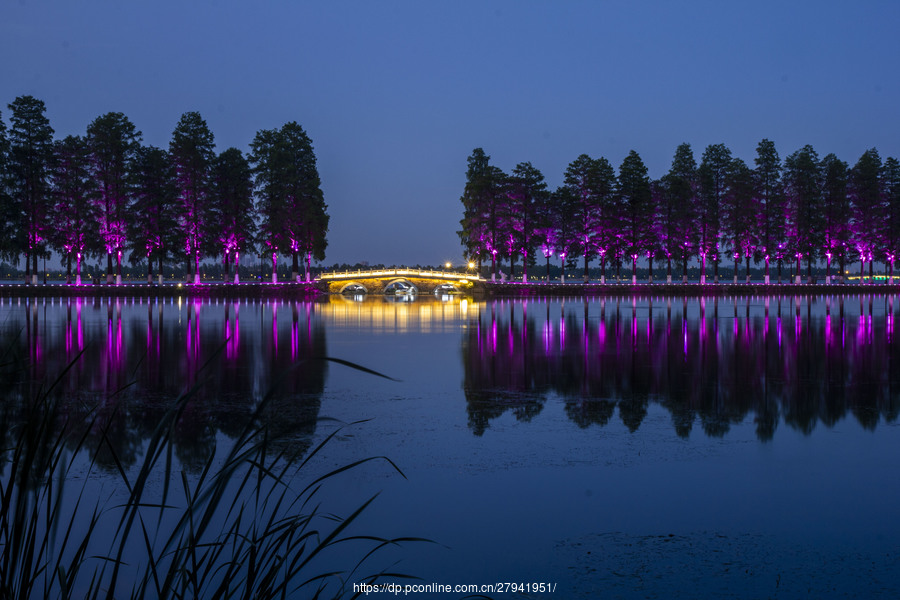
(866, 207)
(233, 207)
(568, 237)
(836, 214)
(739, 212)
(803, 190)
(74, 209)
(192, 151)
(290, 201)
(712, 176)
(636, 204)
(592, 185)
(154, 233)
(30, 165)
(8, 220)
(483, 200)
(526, 193)
(112, 142)
(657, 246)
(890, 231)
(308, 216)
(681, 207)
(546, 216)
(769, 193)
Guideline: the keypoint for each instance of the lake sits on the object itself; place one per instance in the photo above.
(610, 447)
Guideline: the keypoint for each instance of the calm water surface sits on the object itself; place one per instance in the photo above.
(736, 447)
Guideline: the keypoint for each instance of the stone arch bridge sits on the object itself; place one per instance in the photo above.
(377, 281)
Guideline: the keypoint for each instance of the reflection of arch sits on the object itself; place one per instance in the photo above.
(400, 287)
(445, 288)
(354, 288)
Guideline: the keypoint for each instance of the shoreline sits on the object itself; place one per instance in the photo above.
(484, 288)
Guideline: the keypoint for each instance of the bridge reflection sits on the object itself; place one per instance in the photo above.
(712, 363)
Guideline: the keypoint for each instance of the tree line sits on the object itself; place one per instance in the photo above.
(105, 193)
(801, 209)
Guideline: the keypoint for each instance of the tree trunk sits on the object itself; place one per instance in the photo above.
(225, 267)
(295, 267)
(68, 268)
(149, 269)
(109, 269)
(748, 268)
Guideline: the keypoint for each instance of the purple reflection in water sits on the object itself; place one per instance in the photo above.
(741, 366)
(275, 329)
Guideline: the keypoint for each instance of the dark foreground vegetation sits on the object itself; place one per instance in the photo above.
(249, 523)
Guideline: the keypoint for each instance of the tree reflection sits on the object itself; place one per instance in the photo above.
(137, 359)
(803, 361)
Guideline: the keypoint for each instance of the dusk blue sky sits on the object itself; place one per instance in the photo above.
(395, 95)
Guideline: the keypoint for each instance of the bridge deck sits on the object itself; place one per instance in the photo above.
(392, 273)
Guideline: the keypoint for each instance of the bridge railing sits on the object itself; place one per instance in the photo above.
(375, 273)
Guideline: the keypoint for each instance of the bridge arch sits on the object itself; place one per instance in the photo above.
(400, 284)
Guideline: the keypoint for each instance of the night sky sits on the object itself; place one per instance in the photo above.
(395, 95)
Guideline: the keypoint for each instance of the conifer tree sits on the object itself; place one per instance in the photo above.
(74, 208)
(155, 233)
(712, 177)
(233, 212)
(636, 205)
(192, 151)
(803, 190)
(867, 208)
(30, 164)
(113, 142)
(836, 213)
(769, 197)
